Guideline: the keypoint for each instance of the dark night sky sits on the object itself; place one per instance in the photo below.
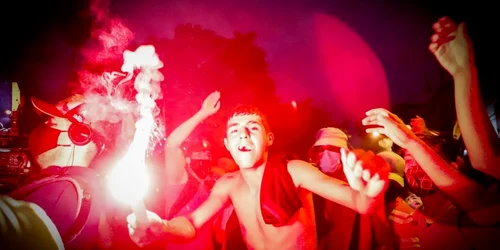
(398, 34)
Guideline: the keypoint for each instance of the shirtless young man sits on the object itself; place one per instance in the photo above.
(248, 139)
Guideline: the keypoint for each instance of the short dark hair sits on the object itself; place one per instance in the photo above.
(249, 110)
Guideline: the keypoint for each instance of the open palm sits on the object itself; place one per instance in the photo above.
(211, 104)
(451, 46)
(365, 172)
(389, 125)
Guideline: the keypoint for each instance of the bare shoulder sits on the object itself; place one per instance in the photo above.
(299, 167)
(228, 182)
(230, 177)
(302, 171)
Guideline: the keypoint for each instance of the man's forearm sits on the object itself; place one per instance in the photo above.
(475, 126)
(179, 229)
(341, 193)
(180, 134)
(174, 156)
(463, 191)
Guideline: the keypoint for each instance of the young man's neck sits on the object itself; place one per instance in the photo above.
(253, 176)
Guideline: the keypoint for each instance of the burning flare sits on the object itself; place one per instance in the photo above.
(129, 180)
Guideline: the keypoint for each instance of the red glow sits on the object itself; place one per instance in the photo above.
(104, 51)
(294, 105)
(355, 75)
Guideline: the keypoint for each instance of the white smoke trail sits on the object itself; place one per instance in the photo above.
(129, 180)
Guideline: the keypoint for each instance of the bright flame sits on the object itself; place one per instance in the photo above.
(129, 180)
(375, 134)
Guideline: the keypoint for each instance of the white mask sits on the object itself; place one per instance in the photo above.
(329, 162)
(414, 201)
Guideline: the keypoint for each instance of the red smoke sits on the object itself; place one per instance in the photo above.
(104, 51)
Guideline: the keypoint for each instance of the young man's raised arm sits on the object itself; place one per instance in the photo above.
(453, 50)
(182, 228)
(174, 156)
(363, 198)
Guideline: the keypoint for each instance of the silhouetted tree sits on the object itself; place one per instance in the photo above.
(199, 61)
(297, 130)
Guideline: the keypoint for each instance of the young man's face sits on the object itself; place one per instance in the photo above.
(247, 140)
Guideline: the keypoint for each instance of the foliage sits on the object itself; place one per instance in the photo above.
(199, 61)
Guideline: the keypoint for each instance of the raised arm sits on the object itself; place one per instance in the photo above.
(183, 228)
(174, 156)
(465, 193)
(453, 49)
(367, 177)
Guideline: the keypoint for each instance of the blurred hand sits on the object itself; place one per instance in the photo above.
(452, 46)
(418, 125)
(365, 172)
(388, 124)
(211, 104)
(145, 234)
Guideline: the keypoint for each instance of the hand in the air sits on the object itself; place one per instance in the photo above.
(145, 234)
(365, 172)
(418, 125)
(211, 104)
(389, 125)
(451, 46)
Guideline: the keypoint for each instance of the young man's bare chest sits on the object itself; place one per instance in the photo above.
(258, 234)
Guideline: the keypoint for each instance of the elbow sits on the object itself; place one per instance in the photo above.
(485, 160)
(191, 234)
(172, 143)
(489, 171)
(480, 162)
(187, 236)
(180, 230)
(190, 230)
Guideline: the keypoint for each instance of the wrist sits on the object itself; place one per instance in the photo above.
(366, 204)
(466, 72)
(413, 144)
(412, 139)
(201, 115)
